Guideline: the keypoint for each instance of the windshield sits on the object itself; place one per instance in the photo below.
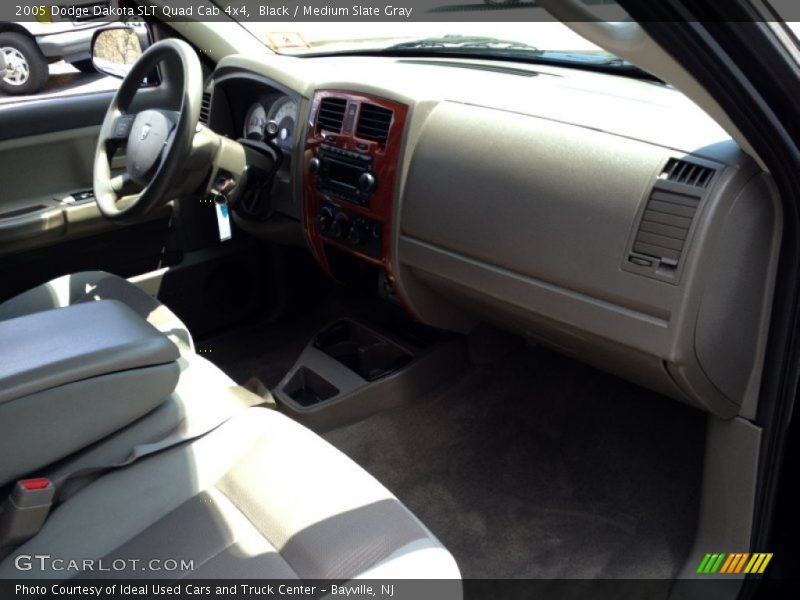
(479, 39)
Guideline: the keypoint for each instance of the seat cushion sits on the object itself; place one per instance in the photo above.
(259, 497)
(88, 286)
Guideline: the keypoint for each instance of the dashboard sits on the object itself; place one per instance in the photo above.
(606, 217)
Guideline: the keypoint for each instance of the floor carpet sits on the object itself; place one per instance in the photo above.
(536, 466)
(541, 467)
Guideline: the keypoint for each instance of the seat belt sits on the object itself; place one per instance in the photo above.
(61, 482)
(30, 502)
(25, 512)
(192, 432)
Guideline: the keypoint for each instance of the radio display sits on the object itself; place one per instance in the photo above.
(342, 173)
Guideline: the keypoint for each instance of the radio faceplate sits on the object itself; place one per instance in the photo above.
(351, 160)
(344, 175)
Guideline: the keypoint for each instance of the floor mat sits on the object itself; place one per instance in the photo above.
(542, 467)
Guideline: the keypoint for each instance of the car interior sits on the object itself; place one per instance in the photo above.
(510, 322)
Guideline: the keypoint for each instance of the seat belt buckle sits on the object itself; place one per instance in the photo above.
(26, 511)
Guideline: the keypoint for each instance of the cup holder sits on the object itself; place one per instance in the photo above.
(307, 388)
(362, 350)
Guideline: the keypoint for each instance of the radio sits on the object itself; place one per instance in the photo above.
(343, 174)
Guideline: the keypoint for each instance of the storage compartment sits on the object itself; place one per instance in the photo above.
(362, 350)
(307, 388)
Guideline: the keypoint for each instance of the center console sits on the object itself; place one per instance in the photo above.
(75, 375)
(352, 150)
(353, 369)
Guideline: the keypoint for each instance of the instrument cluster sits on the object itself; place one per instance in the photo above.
(272, 117)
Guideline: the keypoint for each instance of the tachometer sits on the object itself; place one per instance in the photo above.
(255, 121)
(284, 113)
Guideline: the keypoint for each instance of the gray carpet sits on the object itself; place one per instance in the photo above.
(542, 467)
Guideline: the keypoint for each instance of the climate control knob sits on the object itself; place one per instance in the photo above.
(366, 182)
(314, 165)
(358, 234)
(325, 219)
(340, 226)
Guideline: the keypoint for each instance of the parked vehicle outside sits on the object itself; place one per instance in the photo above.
(28, 48)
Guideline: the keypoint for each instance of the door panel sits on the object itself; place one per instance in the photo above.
(50, 115)
(42, 167)
(38, 172)
(46, 155)
(42, 236)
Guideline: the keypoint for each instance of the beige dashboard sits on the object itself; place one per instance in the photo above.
(607, 217)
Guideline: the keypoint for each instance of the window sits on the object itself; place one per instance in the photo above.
(48, 58)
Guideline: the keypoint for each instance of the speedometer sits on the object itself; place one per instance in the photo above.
(255, 122)
(284, 113)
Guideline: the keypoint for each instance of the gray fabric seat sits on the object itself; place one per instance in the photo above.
(259, 497)
(88, 286)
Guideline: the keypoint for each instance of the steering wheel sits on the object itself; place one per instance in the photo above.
(158, 140)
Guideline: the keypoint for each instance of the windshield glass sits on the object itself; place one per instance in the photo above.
(480, 39)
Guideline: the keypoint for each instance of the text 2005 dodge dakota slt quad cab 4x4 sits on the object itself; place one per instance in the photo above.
(407, 308)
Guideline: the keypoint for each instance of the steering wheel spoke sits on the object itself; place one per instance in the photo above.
(123, 185)
(121, 128)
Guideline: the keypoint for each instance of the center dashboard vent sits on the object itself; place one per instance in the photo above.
(374, 123)
(331, 114)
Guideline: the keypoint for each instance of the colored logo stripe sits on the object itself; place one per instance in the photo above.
(758, 563)
(734, 562)
(703, 563)
(739, 566)
(710, 563)
(732, 559)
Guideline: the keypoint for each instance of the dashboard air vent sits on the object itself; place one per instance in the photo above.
(683, 171)
(331, 114)
(374, 122)
(665, 226)
(205, 107)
